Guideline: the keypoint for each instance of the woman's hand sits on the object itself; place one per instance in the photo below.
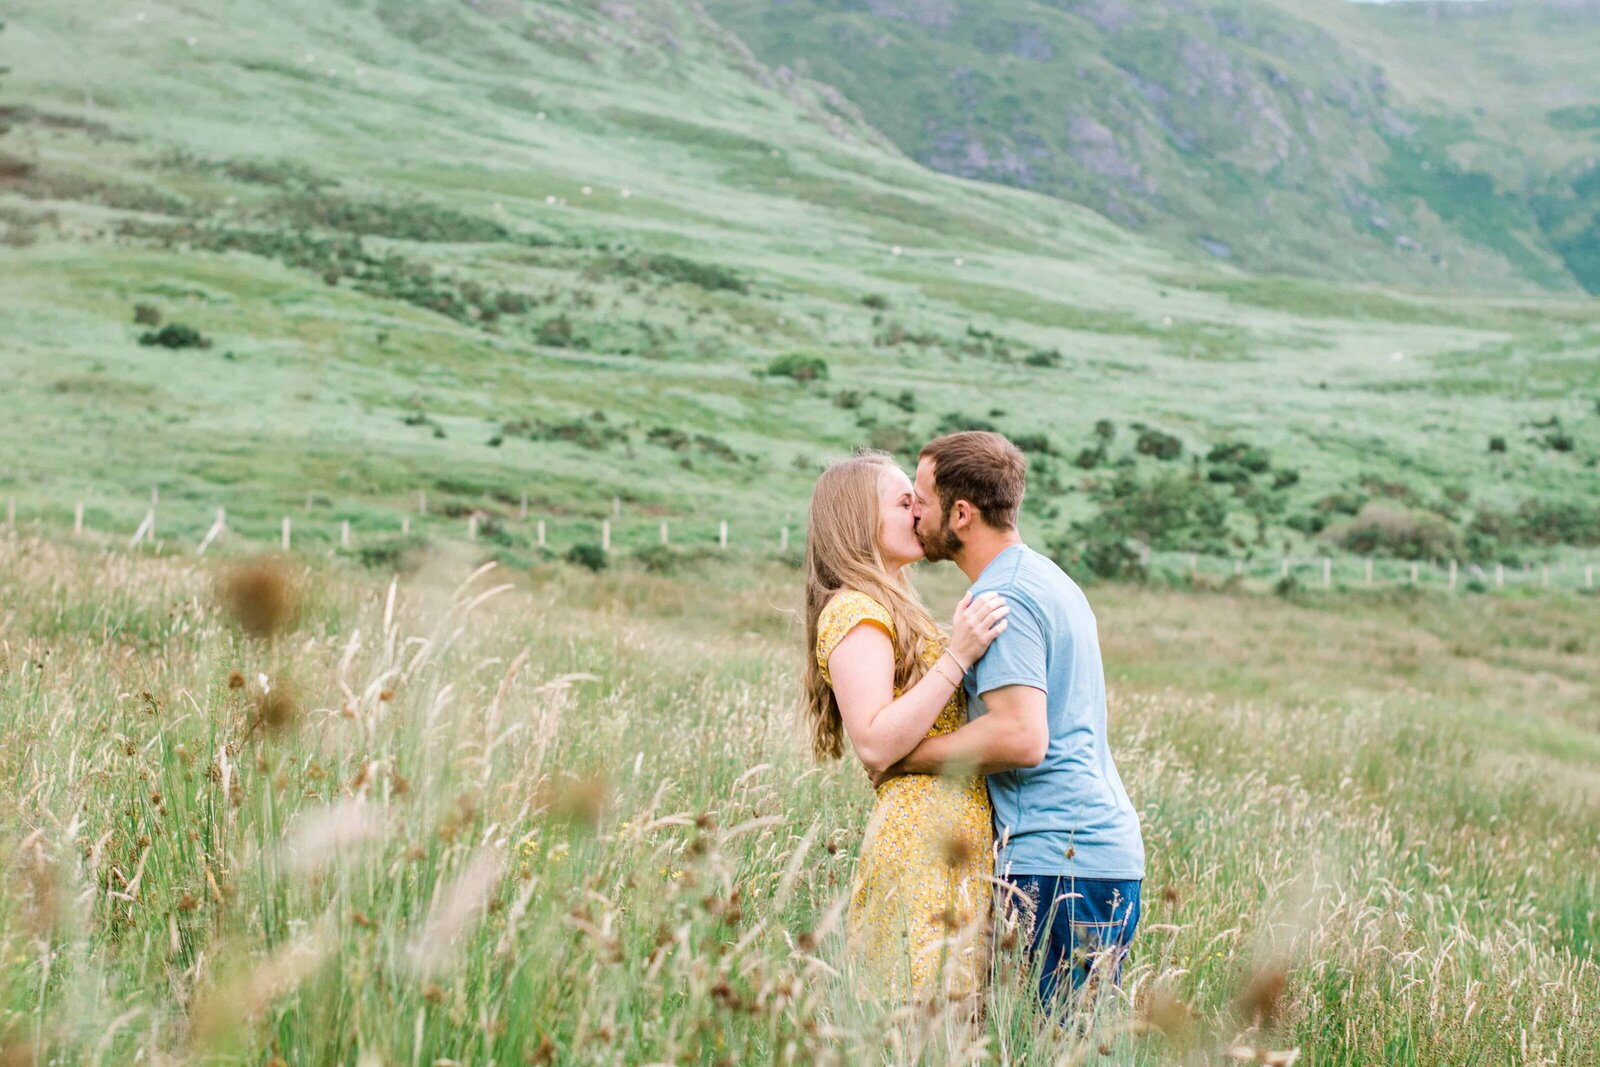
(978, 621)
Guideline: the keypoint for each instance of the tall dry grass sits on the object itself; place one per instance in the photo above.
(472, 817)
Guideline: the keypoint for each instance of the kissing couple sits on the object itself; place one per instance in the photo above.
(987, 747)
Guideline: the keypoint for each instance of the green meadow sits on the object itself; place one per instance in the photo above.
(426, 800)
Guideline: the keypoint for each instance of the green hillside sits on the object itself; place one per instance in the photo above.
(1443, 145)
(489, 250)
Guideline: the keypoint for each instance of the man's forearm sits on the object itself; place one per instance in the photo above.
(979, 747)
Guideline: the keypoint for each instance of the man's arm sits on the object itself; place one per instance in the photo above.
(1013, 733)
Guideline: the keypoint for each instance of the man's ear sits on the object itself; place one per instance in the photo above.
(961, 515)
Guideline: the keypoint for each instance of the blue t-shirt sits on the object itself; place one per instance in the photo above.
(1069, 815)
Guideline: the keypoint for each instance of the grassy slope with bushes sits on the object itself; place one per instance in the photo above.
(482, 253)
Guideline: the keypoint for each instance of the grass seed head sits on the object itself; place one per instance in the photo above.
(261, 596)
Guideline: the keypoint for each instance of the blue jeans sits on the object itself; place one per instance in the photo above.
(1077, 927)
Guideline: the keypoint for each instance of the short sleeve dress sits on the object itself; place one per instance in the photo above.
(920, 901)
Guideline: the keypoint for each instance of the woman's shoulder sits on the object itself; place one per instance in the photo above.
(849, 607)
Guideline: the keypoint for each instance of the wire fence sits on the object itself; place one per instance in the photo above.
(633, 534)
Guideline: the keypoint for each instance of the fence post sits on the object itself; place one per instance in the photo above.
(1283, 571)
(1327, 573)
(605, 535)
(783, 539)
(1499, 575)
(664, 533)
(472, 526)
(722, 534)
(541, 533)
(77, 520)
(218, 528)
(1416, 572)
(522, 509)
(616, 507)
(1452, 576)
(1369, 572)
(405, 526)
(1544, 576)
(144, 529)
(1238, 567)
(344, 534)
(1588, 576)
(422, 502)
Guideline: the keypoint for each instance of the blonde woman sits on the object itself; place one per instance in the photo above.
(881, 673)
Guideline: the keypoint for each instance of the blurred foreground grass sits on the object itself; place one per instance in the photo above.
(492, 817)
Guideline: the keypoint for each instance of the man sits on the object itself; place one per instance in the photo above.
(1068, 838)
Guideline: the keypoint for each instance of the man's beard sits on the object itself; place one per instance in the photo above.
(940, 544)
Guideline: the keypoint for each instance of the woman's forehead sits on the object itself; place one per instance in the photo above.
(895, 480)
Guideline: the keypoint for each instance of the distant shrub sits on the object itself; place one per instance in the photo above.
(1558, 441)
(1097, 550)
(1242, 455)
(593, 433)
(1034, 442)
(402, 554)
(1559, 522)
(1090, 458)
(800, 367)
(1105, 430)
(1162, 446)
(1228, 474)
(958, 422)
(146, 315)
(1497, 444)
(410, 220)
(906, 401)
(1309, 524)
(1283, 479)
(848, 399)
(876, 301)
(1043, 357)
(592, 557)
(555, 333)
(175, 335)
(1344, 502)
(1387, 530)
(1170, 511)
(658, 559)
(704, 275)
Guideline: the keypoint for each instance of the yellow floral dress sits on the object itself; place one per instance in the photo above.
(919, 906)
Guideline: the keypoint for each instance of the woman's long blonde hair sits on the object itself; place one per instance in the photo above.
(842, 553)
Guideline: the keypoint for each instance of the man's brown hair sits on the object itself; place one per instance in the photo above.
(982, 468)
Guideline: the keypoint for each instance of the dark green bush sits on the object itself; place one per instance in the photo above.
(175, 335)
(957, 422)
(1090, 458)
(658, 559)
(799, 366)
(1034, 442)
(1283, 479)
(1171, 511)
(1497, 444)
(1097, 550)
(592, 557)
(146, 315)
(1105, 430)
(1162, 446)
(1043, 357)
(906, 401)
(876, 301)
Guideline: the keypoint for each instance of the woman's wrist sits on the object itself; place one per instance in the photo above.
(938, 667)
(957, 660)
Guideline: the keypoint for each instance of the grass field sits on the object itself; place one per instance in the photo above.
(482, 817)
(314, 260)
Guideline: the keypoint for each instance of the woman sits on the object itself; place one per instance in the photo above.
(882, 673)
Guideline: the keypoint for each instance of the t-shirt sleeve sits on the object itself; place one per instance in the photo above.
(841, 615)
(1017, 656)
